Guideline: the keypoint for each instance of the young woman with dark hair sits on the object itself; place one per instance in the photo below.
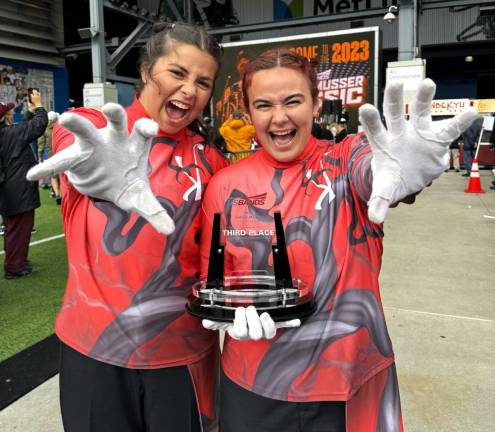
(132, 359)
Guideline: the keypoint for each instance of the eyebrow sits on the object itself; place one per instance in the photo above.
(183, 69)
(286, 99)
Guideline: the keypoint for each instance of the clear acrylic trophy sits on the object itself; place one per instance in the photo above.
(281, 296)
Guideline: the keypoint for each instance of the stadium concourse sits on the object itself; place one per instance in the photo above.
(437, 285)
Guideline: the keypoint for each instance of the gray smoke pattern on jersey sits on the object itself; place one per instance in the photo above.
(355, 309)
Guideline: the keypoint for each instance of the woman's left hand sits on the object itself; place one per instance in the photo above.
(411, 153)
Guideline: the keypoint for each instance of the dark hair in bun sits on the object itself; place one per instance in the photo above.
(166, 35)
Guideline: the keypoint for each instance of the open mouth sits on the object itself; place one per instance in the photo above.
(283, 138)
(177, 110)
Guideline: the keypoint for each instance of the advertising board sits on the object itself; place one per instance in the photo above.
(347, 68)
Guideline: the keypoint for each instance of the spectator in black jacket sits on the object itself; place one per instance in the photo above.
(18, 196)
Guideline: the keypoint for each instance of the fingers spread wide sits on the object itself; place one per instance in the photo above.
(60, 162)
(457, 125)
(143, 130)
(377, 209)
(421, 107)
(138, 197)
(385, 184)
(82, 128)
(393, 107)
(373, 126)
(147, 128)
(116, 117)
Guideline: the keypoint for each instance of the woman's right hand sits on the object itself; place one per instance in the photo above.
(110, 164)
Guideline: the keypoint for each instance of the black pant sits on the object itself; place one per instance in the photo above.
(98, 397)
(245, 411)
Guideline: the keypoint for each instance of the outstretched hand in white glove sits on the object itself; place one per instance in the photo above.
(110, 164)
(410, 154)
(249, 325)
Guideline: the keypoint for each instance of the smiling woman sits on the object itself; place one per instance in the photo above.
(178, 87)
(335, 371)
(281, 92)
(131, 216)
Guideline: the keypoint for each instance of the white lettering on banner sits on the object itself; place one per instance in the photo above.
(350, 90)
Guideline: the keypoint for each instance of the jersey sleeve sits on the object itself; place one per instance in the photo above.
(359, 165)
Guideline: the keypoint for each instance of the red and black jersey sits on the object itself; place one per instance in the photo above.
(332, 246)
(127, 284)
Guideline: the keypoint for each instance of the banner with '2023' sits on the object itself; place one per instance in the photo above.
(347, 68)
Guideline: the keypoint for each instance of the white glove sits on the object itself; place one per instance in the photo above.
(249, 325)
(110, 164)
(410, 154)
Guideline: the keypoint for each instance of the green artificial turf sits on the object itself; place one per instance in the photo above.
(28, 305)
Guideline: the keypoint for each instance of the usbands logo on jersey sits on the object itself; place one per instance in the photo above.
(257, 200)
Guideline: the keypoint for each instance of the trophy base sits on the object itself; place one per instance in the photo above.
(224, 312)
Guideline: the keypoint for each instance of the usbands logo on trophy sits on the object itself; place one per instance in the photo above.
(281, 296)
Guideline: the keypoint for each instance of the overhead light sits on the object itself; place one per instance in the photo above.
(391, 16)
(468, 59)
(87, 32)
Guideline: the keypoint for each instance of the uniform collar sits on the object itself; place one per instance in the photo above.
(138, 108)
(310, 148)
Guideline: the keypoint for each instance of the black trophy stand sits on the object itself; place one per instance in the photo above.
(205, 304)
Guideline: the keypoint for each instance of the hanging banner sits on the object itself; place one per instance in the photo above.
(347, 68)
(15, 81)
(445, 107)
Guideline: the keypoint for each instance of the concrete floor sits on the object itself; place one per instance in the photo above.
(438, 288)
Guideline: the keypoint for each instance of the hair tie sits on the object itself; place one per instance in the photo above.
(162, 26)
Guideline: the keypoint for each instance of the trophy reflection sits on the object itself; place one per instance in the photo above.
(283, 297)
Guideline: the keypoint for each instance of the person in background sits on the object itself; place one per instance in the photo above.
(339, 131)
(336, 370)
(45, 152)
(344, 116)
(210, 131)
(321, 131)
(470, 141)
(213, 136)
(18, 196)
(238, 133)
(454, 154)
(132, 359)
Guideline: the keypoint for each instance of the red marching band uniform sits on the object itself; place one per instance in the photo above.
(343, 351)
(128, 285)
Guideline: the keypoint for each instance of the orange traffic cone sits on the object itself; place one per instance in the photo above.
(474, 185)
